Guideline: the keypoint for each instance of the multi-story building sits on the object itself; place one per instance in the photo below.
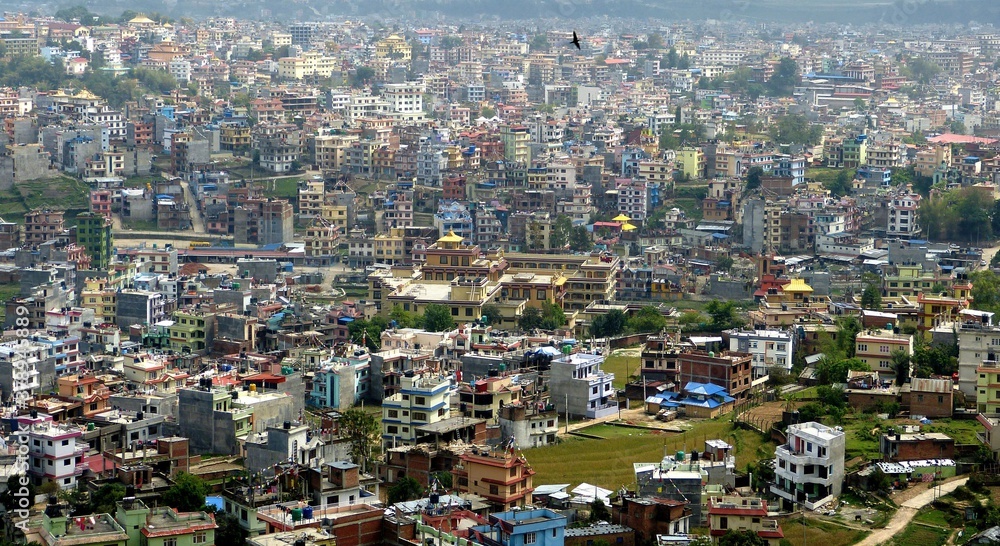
(978, 346)
(529, 425)
(53, 453)
(633, 198)
(809, 467)
(516, 141)
(422, 400)
(578, 387)
(729, 370)
(771, 349)
(501, 477)
(93, 232)
(42, 225)
(902, 221)
(742, 514)
(876, 348)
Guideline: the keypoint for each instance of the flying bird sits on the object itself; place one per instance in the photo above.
(576, 40)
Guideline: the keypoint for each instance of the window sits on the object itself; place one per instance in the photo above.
(172, 541)
(65, 442)
(199, 538)
(529, 538)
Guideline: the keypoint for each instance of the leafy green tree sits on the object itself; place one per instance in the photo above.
(581, 241)
(754, 175)
(539, 43)
(530, 319)
(362, 77)
(610, 324)
(9, 497)
(230, 530)
(985, 290)
(487, 112)
(841, 185)
(599, 511)
(553, 316)
(493, 314)
(871, 298)
(405, 489)
(561, 229)
(437, 318)
(361, 429)
(901, 365)
(784, 79)
(105, 499)
(723, 314)
(848, 329)
(920, 70)
(404, 319)
(647, 320)
(741, 538)
(672, 59)
(831, 369)
(187, 494)
(368, 332)
(724, 263)
(795, 129)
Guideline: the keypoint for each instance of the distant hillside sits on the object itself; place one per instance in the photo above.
(840, 11)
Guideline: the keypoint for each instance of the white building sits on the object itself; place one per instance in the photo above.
(978, 345)
(53, 453)
(903, 215)
(180, 69)
(809, 468)
(422, 400)
(770, 349)
(406, 100)
(633, 198)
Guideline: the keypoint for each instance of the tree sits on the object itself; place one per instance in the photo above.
(403, 319)
(553, 316)
(871, 298)
(492, 313)
(754, 178)
(405, 489)
(784, 79)
(920, 70)
(539, 43)
(599, 511)
(610, 324)
(530, 319)
(581, 241)
(487, 112)
(561, 229)
(362, 76)
(10, 497)
(795, 129)
(841, 185)
(848, 328)
(832, 369)
(985, 291)
(230, 530)
(437, 318)
(724, 263)
(105, 499)
(901, 365)
(723, 315)
(187, 494)
(672, 58)
(741, 538)
(362, 432)
(647, 320)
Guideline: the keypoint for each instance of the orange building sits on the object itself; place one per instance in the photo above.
(502, 478)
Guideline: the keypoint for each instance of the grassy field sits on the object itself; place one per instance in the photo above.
(819, 532)
(931, 516)
(608, 463)
(622, 366)
(822, 174)
(919, 534)
(63, 192)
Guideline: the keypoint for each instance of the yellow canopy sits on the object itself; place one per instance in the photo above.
(628, 227)
(621, 218)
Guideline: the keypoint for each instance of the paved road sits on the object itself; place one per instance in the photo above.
(905, 514)
(197, 223)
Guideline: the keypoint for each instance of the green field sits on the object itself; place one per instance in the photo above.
(819, 532)
(608, 463)
(622, 366)
(861, 442)
(822, 174)
(914, 533)
(62, 192)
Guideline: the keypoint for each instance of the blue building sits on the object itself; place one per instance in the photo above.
(340, 382)
(539, 527)
(696, 400)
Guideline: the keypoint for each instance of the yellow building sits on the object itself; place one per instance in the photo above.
(875, 348)
(102, 298)
(393, 47)
(988, 388)
(191, 331)
(505, 480)
(335, 215)
(484, 398)
(389, 247)
(690, 162)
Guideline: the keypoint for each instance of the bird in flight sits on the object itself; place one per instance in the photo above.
(576, 40)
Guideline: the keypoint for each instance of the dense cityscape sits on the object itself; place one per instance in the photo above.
(312, 279)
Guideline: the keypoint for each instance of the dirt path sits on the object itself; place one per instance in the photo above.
(907, 510)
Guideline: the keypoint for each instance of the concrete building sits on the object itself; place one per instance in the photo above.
(771, 349)
(53, 453)
(876, 348)
(93, 232)
(537, 527)
(731, 513)
(978, 340)
(578, 387)
(501, 477)
(139, 307)
(211, 421)
(809, 467)
(422, 400)
(729, 370)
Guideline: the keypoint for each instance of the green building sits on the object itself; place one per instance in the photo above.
(93, 232)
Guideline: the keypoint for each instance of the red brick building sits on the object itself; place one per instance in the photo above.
(912, 447)
(727, 369)
(932, 398)
(651, 516)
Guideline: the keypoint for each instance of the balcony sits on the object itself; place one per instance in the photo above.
(602, 410)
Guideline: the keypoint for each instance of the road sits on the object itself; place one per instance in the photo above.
(197, 223)
(989, 252)
(906, 511)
